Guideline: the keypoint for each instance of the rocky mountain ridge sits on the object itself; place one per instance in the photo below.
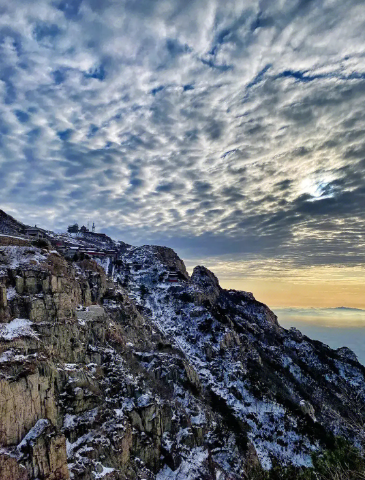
(9, 225)
(146, 372)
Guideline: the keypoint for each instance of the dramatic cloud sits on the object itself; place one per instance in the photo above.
(230, 128)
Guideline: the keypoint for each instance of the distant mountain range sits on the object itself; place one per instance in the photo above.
(314, 310)
(347, 308)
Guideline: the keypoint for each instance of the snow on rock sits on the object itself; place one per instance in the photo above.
(198, 419)
(87, 418)
(22, 256)
(228, 339)
(190, 469)
(11, 293)
(12, 356)
(104, 471)
(34, 433)
(70, 367)
(84, 439)
(144, 400)
(19, 327)
(185, 376)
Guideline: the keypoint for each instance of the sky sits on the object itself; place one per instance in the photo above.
(337, 327)
(231, 131)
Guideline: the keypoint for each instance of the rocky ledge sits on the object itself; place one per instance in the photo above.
(150, 373)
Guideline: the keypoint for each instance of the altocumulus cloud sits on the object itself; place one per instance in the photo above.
(210, 126)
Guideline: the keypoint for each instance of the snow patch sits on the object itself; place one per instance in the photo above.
(11, 293)
(104, 472)
(11, 356)
(19, 327)
(144, 401)
(22, 256)
(34, 433)
(189, 469)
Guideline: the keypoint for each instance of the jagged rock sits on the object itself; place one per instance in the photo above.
(11, 470)
(308, 409)
(25, 398)
(171, 260)
(207, 282)
(10, 226)
(230, 339)
(181, 378)
(49, 458)
(3, 299)
(296, 334)
(192, 376)
(4, 309)
(49, 290)
(19, 285)
(43, 451)
(347, 353)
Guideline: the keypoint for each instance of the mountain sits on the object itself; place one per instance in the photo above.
(10, 226)
(350, 309)
(126, 367)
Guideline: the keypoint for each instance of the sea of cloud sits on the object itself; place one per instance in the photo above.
(336, 327)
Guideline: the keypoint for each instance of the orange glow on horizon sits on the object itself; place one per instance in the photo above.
(284, 293)
(279, 284)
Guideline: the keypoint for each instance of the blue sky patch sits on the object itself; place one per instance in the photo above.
(22, 116)
(65, 135)
(99, 73)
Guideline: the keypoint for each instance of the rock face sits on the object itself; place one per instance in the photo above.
(43, 451)
(10, 226)
(137, 376)
(207, 283)
(170, 259)
(10, 469)
(24, 401)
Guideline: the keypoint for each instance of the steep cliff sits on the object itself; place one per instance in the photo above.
(10, 226)
(153, 374)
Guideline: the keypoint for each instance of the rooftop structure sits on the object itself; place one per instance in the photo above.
(35, 232)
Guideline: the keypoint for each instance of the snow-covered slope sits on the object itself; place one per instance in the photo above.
(280, 386)
(10, 226)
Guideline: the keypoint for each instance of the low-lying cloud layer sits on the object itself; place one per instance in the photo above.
(215, 127)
